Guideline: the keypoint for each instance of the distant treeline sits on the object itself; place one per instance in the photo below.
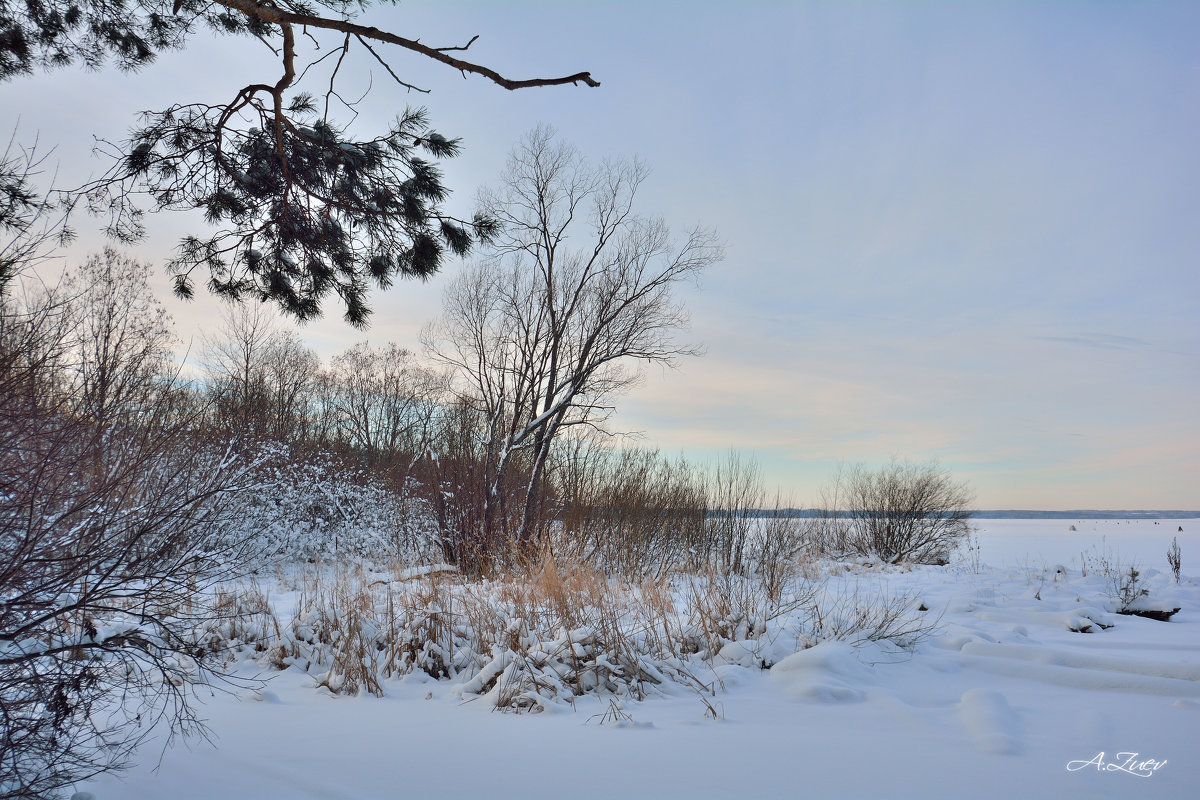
(1076, 514)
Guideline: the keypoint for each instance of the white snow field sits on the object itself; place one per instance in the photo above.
(1007, 698)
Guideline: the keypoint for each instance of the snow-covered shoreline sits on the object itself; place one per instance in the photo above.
(999, 701)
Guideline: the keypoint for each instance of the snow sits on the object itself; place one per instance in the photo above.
(1007, 697)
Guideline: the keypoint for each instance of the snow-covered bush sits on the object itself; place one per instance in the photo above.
(1128, 587)
(858, 615)
(725, 607)
(309, 506)
(106, 564)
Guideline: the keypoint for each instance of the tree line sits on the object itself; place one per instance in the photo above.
(518, 374)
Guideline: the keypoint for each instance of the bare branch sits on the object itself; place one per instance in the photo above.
(280, 16)
(388, 67)
(463, 47)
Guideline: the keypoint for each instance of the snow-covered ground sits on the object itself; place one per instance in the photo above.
(1004, 700)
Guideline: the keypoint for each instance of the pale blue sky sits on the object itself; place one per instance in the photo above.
(963, 231)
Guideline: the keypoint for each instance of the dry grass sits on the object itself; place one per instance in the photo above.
(553, 631)
(872, 614)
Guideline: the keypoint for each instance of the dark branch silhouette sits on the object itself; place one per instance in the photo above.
(300, 208)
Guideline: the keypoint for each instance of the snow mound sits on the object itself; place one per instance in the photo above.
(992, 723)
(1087, 661)
(830, 672)
(1084, 671)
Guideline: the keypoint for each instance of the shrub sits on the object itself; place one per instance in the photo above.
(103, 580)
(104, 506)
(905, 512)
(311, 506)
(1175, 557)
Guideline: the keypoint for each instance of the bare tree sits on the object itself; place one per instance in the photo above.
(290, 372)
(235, 361)
(321, 427)
(577, 290)
(122, 336)
(735, 495)
(105, 500)
(906, 512)
(829, 532)
(385, 401)
(455, 477)
(35, 351)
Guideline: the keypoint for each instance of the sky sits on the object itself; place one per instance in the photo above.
(967, 232)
